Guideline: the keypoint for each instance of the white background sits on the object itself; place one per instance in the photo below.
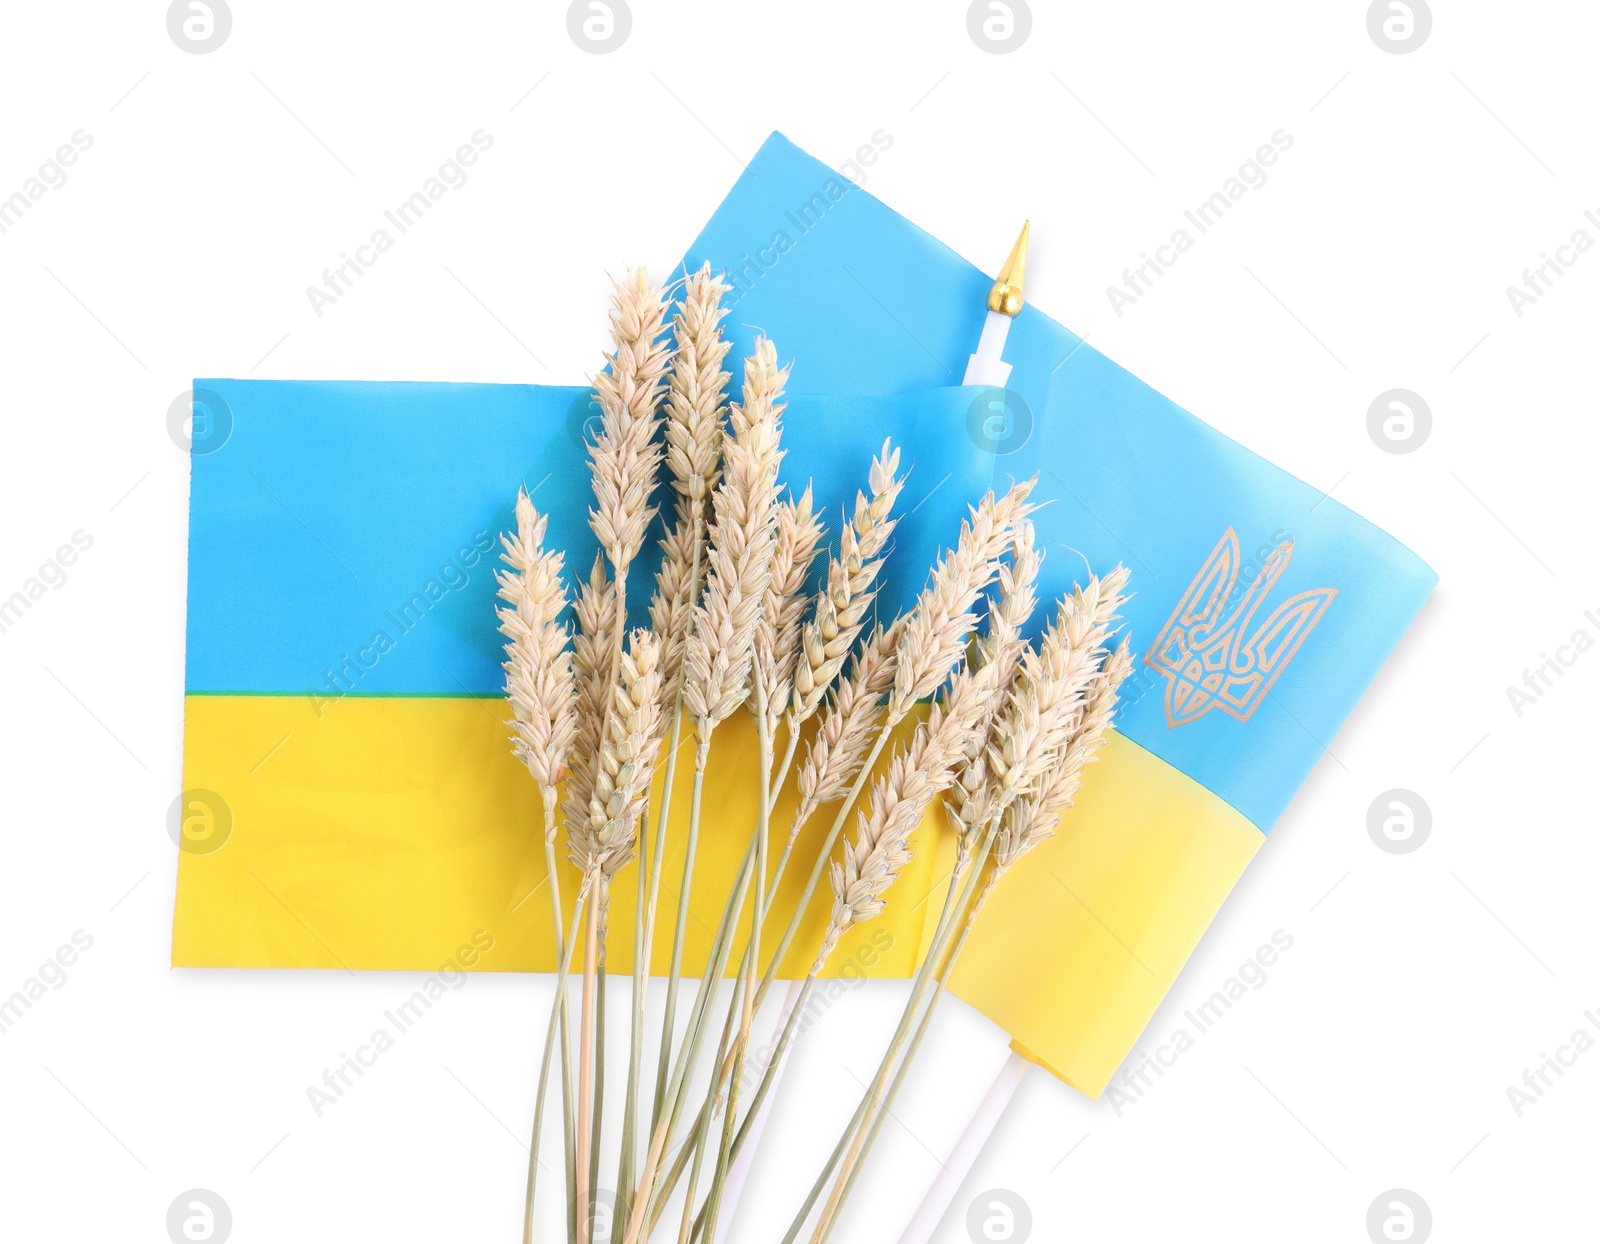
(1419, 186)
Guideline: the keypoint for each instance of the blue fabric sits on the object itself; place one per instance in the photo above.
(338, 512)
(864, 301)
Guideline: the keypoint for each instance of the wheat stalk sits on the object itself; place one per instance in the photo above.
(1002, 642)
(752, 958)
(604, 842)
(872, 863)
(851, 575)
(607, 650)
(926, 643)
(777, 643)
(1008, 735)
(624, 459)
(1063, 693)
(558, 1020)
(955, 585)
(720, 650)
(836, 751)
(678, 583)
(1052, 798)
(693, 430)
(819, 651)
(833, 762)
(946, 614)
(539, 685)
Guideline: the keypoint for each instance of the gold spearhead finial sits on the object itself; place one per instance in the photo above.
(1006, 296)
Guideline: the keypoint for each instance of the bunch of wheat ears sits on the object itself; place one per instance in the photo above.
(1011, 726)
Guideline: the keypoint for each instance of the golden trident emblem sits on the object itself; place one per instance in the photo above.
(1209, 657)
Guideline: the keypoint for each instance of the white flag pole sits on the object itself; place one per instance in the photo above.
(739, 1171)
(960, 1162)
(985, 366)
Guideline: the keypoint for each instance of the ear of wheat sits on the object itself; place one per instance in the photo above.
(840, 744)
(872, 863)
(843, 748)
(778, 629)
(624, 457)
(925, 643)
(1046, 704)
(1002, 642)
(693, 431)
(970, 802)
(1034, 818)
(539, 681)
(597, 615)
(743, 536)
(695, 388)
(841, 606)
(630, 741)
(936, 633)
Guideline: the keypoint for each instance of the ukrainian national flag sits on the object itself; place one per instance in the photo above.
(346, 760)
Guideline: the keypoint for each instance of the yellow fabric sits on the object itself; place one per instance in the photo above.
(384, 832)
(1115, 901)
(390, 832)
